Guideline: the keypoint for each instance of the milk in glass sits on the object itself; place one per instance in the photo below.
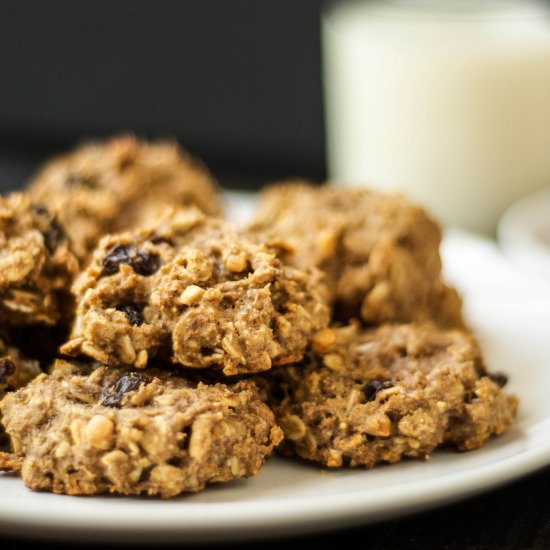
(446, 101)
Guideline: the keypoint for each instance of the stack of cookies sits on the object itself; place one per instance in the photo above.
(151, 348)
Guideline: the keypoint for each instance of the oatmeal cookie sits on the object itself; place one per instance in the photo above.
(196, 292)
(127, 432)
(370, 396)
(16, 371)
(37, 266)
(380, 254)
(114, 185)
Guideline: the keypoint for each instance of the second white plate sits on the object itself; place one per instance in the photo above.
(524, 232)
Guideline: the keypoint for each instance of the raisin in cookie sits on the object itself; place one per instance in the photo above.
(36, 264)
(114, 185)
(370, 396)
(380, 254)
(197, 292)
(16, 371)
(132, 433)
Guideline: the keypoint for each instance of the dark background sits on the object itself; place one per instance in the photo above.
(237, 82)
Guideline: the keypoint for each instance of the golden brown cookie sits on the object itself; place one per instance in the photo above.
(16, 371)
(37, 265)
(114, 185)
(134, 433)
(380, 395)
(197, 292)
(380, 254)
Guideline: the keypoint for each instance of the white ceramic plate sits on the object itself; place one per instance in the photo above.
(511, 313)
(524, 232)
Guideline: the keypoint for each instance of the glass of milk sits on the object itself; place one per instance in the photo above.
(446, 101)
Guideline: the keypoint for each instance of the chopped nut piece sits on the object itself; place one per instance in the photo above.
(191, 295)
(293, 427)
(236, 262)
(237, 469)
(323, 339)
(63, 449)
(99, 432)
(327, 242)
(141, 359)
(334, 362)
(334, 459)
(378, 425)
(127, 351)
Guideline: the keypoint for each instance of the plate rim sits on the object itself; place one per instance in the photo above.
(273, 518)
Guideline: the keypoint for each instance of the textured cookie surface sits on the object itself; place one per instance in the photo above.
(198, 293)
(397, 391)
(112, 186)
(36, 264)
(127, 432)
(380, 254)
(16, 371)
